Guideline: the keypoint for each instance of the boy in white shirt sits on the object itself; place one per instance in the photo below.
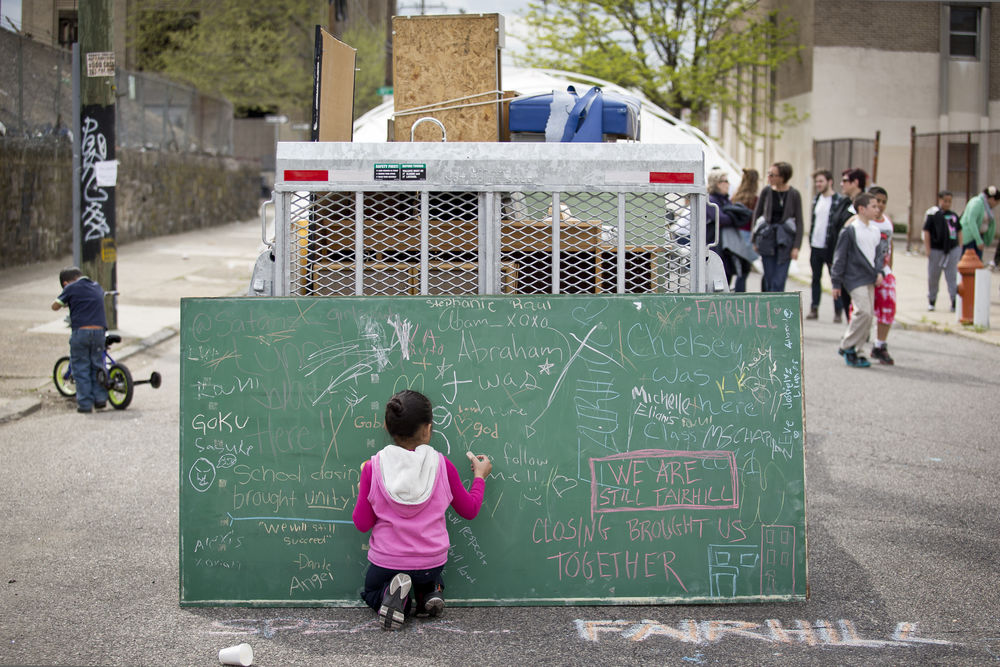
(885, 294)
(858, 265)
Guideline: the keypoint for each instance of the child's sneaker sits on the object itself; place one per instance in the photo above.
(392, 613)
(852, 359)
(434, 602)
(882, 354)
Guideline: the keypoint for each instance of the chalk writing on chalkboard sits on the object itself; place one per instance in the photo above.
(646, 448)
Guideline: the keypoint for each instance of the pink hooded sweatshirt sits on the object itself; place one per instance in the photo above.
(402, 499)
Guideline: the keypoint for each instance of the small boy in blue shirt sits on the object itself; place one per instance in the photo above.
(85, 300)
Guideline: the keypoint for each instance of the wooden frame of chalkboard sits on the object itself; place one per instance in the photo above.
(647, 449)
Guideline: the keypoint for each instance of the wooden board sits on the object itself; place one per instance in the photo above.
(441, 58)
(336, 90)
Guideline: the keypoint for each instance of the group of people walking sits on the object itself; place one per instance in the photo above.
(851, 235)
(767, 225)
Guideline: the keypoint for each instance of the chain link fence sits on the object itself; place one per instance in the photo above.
(152, 113)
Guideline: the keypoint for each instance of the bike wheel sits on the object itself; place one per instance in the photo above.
(63, 378)
(119, 386)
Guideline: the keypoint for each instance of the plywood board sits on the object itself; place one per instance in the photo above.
(447, 61)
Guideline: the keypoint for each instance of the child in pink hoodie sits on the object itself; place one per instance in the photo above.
(404, 493)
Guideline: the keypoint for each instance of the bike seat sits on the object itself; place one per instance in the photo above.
(110, 339)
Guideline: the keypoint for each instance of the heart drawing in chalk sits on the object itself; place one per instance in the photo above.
(586, 314)
(561, 484)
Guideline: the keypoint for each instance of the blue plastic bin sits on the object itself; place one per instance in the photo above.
(620, 119)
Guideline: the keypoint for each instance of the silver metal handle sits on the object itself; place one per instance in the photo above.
(413, 128)
(716, 241)
(263, 221)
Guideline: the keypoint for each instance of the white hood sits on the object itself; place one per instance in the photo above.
(409, 476)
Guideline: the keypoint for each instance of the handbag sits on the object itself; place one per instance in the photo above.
(764, 237)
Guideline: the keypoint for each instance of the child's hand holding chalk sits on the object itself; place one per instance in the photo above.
(481, 465)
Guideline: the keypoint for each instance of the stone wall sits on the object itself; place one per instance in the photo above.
(158, 193)
(166, 193)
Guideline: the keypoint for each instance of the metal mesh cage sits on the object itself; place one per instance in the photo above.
(437, 243)
(497, 218)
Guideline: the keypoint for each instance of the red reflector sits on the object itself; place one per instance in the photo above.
(684, 177)
(306, 174)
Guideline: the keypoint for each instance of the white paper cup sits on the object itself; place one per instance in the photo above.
(237, 655)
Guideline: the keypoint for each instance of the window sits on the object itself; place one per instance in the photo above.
(67, 29)
(964, 32)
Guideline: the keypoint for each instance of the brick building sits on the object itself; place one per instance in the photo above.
(870, 66)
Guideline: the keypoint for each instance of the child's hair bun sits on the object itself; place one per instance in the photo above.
(406, 412)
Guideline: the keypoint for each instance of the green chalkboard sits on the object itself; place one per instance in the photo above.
(646, 449)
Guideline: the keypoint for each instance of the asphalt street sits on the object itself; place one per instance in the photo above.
(901, 509)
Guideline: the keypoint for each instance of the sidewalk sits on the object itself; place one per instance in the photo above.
(153, 276)
(911, 297)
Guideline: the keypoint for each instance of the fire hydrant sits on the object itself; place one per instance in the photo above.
(967, 287)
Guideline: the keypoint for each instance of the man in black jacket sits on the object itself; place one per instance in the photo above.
(820, 250)
(852, 183)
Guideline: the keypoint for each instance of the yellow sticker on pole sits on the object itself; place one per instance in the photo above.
(108, 252)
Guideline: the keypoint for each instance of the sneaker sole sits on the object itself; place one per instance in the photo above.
(391, 613)
(434, 606)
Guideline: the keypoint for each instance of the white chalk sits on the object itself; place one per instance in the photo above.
(472, 457)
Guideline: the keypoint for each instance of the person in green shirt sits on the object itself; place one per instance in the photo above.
(978, 223)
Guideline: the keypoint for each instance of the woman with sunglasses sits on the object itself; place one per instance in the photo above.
(778, 228)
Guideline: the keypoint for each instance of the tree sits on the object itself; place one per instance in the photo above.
(258, 55)
(682, 54)
(370, 74)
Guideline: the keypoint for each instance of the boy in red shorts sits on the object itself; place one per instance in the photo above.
(885, 293)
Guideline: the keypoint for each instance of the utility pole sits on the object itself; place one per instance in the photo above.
(98, 168)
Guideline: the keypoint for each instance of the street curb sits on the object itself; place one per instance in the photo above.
(916, 325)
(164, 334)
(13, 409)
(958, 330)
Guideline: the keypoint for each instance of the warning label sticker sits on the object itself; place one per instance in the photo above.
(413, 172)
(400, 172)
(386, 172)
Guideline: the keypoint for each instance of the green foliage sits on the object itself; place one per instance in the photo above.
(682, 54)
(259, 55)
(370, 73)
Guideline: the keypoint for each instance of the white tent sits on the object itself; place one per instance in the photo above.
(656, 125)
